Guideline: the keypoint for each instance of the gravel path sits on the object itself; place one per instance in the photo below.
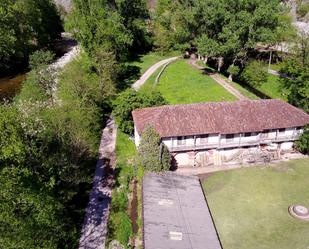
(150, 71)
(94, 231)
(221, 81)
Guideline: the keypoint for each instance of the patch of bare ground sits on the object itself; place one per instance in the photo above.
(133, 211)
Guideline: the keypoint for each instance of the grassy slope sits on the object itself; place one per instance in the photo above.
(181, 84)
(272, 88)
(250, 206)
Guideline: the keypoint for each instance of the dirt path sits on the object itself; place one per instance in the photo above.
(94, 231)
(150, 71)
(216, 77)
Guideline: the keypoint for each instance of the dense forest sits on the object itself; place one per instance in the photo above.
(49, 133)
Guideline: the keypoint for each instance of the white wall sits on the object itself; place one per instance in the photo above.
(137, 138)
(253, 137)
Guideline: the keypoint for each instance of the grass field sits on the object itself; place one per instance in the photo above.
(273, 88)
(147, 60)
(250, 205)
(182, 84)
(239, 87)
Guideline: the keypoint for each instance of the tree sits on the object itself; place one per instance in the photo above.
(97, 25)
(303, 143)
(37, 25)
(129, 100)
(12, 147)
(153, 153)
(233, 71)
(295, 71)
(255, 73)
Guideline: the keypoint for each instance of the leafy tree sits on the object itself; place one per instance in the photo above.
(30, 216)
(12, 147)
(97, 25)
(303, 143)
(295, 72)
(153, 153)
(129, 100)
(37, 25)
(255, 73)
(233, 71)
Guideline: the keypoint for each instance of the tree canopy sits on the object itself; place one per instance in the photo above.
(26, 25)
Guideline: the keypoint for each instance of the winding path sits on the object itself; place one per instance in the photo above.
(150, 71)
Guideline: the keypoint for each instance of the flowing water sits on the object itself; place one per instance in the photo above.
(11, 85)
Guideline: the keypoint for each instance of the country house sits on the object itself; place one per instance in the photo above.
(217, 133)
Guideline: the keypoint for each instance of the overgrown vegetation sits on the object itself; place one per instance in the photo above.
(25, 26)
(303, 143)
(119, 225)
(129, 100)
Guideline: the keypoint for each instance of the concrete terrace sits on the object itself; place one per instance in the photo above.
(175, 213)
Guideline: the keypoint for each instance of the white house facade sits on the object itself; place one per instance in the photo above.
(224, 132)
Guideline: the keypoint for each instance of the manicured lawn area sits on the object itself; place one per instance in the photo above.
(250, 205)
(273, 88)
(182, 84)
(147, 60)
(239, 87)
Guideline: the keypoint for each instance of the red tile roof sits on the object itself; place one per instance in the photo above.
(220, 117)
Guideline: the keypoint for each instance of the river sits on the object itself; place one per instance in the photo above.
(10, 85)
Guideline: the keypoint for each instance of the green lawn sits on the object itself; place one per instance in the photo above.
(239, 87)
(250, 205)
(147, 60)
(272, 88)
(182, 84)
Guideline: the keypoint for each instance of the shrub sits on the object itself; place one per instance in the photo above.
(303, 9)
(129, 100)
(303, 143)
(255, 73)
(153, 154)
(119, 227)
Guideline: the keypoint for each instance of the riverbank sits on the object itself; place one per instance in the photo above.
(65, 49)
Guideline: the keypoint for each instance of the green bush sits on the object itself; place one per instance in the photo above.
(153, 154)
(303, 143)
(119, 227)
(255, 73)
(303, 9)
(129, 100)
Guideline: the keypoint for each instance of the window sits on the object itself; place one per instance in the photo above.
(229, 138)
(181, 140)
(265, 134)
(281, 131)
(248, 134)
(204, 139)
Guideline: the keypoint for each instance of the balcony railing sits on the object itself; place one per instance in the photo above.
(231, 144)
